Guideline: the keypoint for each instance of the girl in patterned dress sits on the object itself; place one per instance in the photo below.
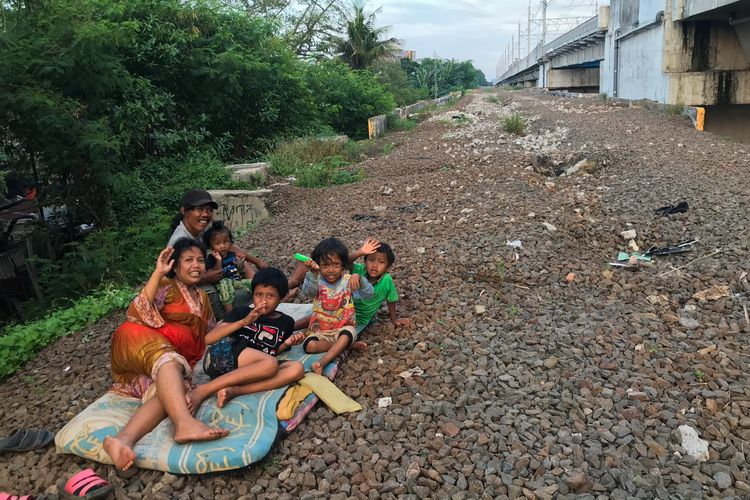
(332, 327)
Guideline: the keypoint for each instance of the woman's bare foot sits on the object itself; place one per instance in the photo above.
(120, 452)
(316, 368)
(224, 395)
(196, 430)
(359, 346)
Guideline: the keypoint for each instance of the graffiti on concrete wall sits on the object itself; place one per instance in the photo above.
(241, 215)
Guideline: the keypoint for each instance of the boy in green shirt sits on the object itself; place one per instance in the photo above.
(378, 259)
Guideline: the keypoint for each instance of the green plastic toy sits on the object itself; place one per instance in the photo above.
(301, 258)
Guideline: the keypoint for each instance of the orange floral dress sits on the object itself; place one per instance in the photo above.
(172, 328)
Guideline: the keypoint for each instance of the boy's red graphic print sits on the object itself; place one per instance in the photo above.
(333, 308)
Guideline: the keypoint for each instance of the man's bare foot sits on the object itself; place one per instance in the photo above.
(197, 431)
(359, 346)
(316, 368)
(224, 395)
(120, 452)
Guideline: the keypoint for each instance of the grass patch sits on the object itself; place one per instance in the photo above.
(320, 162)
(493, 99)
(291, 157)
(514, 124)
(332, 171)
(397, 124)
(356, 151)
(19, 343)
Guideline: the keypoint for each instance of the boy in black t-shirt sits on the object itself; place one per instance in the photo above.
(242, 348)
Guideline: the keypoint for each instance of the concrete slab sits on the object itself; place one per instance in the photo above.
(240, 209)
(255, 173)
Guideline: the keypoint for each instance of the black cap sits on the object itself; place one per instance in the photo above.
(198, 198)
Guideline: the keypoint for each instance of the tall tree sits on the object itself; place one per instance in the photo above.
(306, 25)
(364, 42)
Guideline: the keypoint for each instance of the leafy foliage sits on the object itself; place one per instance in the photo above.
(395, 79)
(345, 99)
(116, 255)
(90, 89)
(307, 26)
(440, 76)
(19, 343)
(364, 43)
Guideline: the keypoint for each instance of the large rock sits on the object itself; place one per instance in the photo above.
(241, 209)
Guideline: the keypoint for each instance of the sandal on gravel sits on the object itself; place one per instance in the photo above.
(8, 496)
(26, 440)
(87, 484)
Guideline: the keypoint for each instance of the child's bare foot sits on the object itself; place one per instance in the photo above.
(317, 368)
(120, 452)
(194, 399)
(197, 431)
(359, 346)
(224, 395)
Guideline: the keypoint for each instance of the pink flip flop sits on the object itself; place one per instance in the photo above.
(8, 496)
(87, 484)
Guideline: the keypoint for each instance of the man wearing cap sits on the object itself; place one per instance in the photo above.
(196, 213)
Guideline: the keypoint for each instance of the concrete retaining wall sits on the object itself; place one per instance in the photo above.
(420, 105)
(377, 125)
(241, 209)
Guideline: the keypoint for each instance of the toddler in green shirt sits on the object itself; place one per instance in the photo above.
(378, 259)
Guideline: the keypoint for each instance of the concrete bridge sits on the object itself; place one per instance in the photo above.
(569, 61)
(676, 52)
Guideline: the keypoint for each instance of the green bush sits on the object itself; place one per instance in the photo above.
(514, 124)
(318, 162)
(122, 255)
(290, 157)
(19, 343)
(345, 99)
(395, 79)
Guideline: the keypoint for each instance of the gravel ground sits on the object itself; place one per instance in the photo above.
(547, 373)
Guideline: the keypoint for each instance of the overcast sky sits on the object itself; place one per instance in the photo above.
(479, 30)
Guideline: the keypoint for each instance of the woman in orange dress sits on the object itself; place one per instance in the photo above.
(155, 350)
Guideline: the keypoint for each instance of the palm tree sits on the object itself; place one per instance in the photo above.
(364, 42)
